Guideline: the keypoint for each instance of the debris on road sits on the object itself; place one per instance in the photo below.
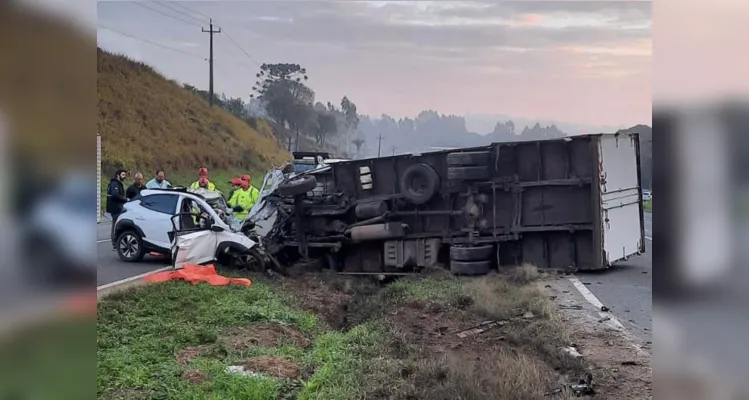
(584, 386)
(572, 351)
(480, 328)
(266, 366)
(571, 307)
(604, 309)
(239, 370)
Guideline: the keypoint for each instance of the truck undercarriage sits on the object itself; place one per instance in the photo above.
(573, 203)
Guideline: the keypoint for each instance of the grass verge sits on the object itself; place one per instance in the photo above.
(327, 337)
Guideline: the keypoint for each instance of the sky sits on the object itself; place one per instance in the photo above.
(583, 62)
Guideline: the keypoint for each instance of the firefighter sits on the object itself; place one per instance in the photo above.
(242, 199)
(203, 181)
(254, 192)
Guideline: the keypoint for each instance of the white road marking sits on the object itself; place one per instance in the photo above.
(131, 279)
(103, 240)
(606, 317)
(649, 238)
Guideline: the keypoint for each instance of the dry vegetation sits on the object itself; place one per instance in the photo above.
(147, 121)
(423, 358)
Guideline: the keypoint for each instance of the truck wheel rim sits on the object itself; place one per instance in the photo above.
(128, 246)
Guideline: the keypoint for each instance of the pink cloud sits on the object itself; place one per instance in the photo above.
(531, 19)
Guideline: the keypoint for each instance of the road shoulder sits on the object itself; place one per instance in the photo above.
(620, 363)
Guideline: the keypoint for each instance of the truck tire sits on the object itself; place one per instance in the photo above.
(297, 186)
(470, 268)
(471, 253)
(419, 183)
(468, 158)
(467, 173)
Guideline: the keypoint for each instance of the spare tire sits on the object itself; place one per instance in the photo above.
(470, 268)
(297, 185)
(468, 158)
(471, 253)
(419, 183)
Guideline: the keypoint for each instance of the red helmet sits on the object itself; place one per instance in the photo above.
(246, 178)
(203, 171)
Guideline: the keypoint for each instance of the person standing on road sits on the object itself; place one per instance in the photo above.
(159, 181)
(116, 199)
(242, 199)
(136, 187)
(203, 181)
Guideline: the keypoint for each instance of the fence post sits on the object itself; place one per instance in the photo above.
(98, 177)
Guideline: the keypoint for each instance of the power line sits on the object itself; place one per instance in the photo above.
(178, 11)
(241, 48)
(152, 43)
(140, 4)
(176, 3)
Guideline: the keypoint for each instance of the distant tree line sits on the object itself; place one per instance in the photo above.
(430, 129)
(282, 95)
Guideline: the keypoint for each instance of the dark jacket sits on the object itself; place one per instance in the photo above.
(134, 190)
(115, 196)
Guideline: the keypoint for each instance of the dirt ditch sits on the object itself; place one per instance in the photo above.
(521, 359)
(501, 340)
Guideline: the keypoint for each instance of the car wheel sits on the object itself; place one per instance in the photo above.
(130, 246)
(297, 186)
(471, 253)
(252, 261)
(470, 268)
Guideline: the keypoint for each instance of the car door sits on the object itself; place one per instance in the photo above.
(194, 242)
(155, 220)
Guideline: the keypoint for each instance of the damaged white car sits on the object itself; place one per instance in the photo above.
(194, 228)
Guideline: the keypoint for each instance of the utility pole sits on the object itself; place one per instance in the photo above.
(379, 145)
(210, 60)
(393, 150)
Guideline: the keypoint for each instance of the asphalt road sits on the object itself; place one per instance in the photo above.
(111, 268)
(627, 290)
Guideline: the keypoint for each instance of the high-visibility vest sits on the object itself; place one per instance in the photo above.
(210, 186)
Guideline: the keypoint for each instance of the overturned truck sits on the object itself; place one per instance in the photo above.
(572, 203)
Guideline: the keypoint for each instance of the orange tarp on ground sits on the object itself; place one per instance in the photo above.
(196, 274)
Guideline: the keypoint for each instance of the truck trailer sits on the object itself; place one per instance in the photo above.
(573, 203)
